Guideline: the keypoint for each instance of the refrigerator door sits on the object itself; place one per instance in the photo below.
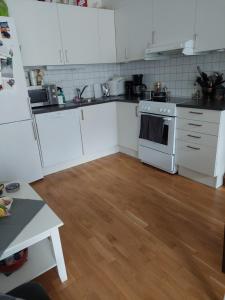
(14, 104)
(19, 155)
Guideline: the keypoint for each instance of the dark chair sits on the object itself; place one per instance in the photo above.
(29, 291)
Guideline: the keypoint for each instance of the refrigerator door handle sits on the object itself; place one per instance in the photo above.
(30, 108)
(34, 130)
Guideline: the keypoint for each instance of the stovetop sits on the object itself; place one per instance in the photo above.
(175, 100)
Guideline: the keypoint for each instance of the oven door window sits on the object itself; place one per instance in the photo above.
(154, 129)
(39, 96)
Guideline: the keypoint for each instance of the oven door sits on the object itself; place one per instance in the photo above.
(157, 132)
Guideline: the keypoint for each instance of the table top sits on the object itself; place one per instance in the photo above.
(40, 226)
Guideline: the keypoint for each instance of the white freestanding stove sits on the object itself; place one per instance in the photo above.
(157, 134)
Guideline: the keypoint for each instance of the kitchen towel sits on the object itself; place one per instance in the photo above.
(152, 129)
(22, 212)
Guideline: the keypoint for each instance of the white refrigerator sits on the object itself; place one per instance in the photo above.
(19, 153)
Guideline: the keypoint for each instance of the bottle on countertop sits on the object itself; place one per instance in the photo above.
(61, 96)
(32, 75)
(196, 94)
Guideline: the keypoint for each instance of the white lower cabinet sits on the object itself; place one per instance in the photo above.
(60, 137)
(200, 147)
(99, 128)
(128, 126)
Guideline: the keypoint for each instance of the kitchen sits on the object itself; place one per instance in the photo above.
(107, 67)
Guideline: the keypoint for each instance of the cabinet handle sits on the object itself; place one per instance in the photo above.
(193, 148)
(29, 105)
(153, 36)
(194, 136)
(136, 111)
(82, 115)
(126, 57)
(196, 125)
(66, 55)
(195, 37)
(195, 113)
(60, 56)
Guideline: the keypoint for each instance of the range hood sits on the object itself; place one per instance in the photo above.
(166, 51)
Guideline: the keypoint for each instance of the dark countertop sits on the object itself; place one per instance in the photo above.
(204, 104)
(72, 105)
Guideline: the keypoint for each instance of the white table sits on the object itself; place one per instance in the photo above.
(42, 238)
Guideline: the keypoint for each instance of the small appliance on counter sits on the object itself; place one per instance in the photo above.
(116, 86)
(159, 93)
(43, 95)
(129, 88)
(98, 90)
(139, 88)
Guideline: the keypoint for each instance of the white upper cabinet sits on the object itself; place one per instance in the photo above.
(210, 25)
(122, 31)
(140, 28)
(173, 22)
(38, 31)
(79, 32)
(133, 29)
(58, 34)
(107, 42)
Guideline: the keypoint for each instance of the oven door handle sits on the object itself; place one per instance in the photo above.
(158, 116)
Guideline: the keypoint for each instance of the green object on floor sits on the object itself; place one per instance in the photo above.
(3, 9)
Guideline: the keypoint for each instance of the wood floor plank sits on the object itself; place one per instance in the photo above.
(133, 232)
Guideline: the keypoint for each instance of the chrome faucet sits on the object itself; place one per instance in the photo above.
(80, 92)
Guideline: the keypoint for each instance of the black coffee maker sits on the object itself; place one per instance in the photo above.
(139, 88)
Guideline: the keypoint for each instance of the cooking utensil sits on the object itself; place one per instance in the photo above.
(203, 75)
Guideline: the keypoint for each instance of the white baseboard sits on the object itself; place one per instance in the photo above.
(214, 182)
(128, 151)
(79, 161)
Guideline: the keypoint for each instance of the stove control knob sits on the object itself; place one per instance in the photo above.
(161, 110)
(169, 111)
(149, 108)
(165, 110)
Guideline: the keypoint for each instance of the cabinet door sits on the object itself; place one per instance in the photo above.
(134, 26)
(210, 24)
(99, 128)
(60, 137)
(19, 155)
(173, 21)
(140, 28)
(79, 32)
(107, 42)
(38, 31)
(122, 33)
(128, 125)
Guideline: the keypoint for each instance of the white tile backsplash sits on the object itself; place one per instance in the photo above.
(177, 73)
(72, 77)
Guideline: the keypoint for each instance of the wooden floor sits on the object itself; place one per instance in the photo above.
(133, 232)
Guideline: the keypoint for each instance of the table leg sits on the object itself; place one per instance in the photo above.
(57, 248)
(223, 262)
